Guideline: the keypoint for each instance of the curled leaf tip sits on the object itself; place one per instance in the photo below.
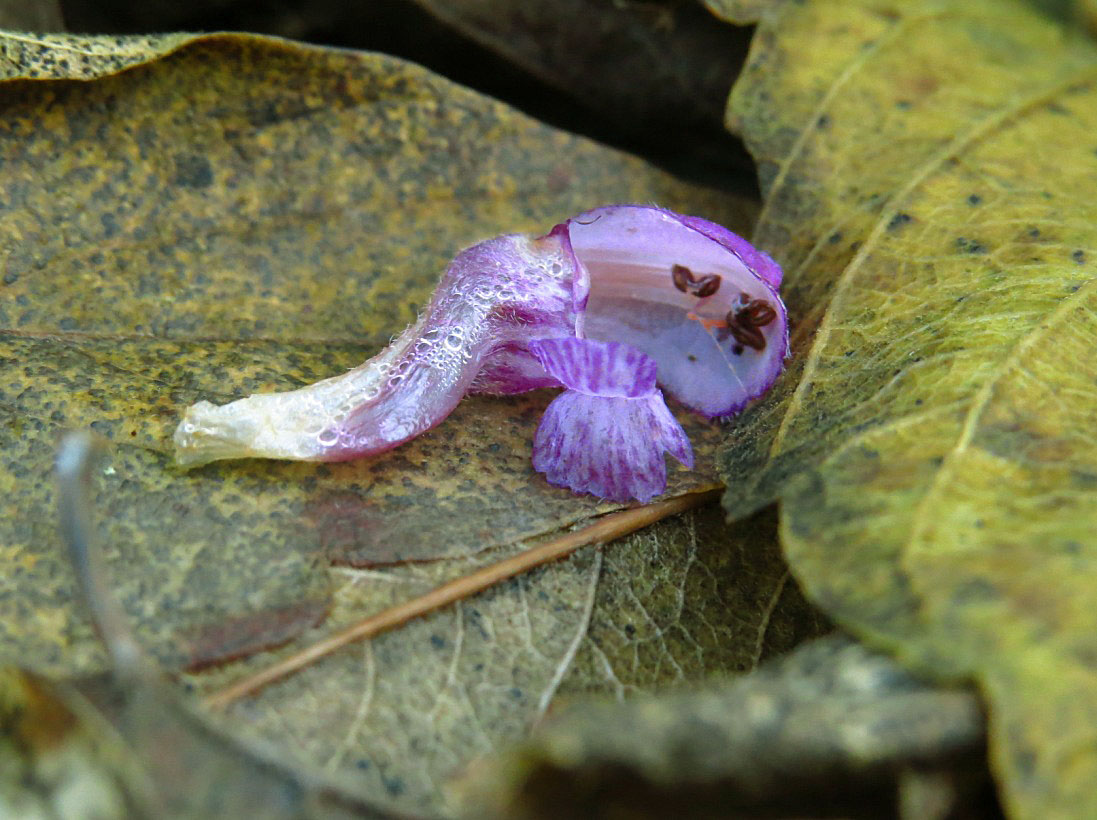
(607, 304)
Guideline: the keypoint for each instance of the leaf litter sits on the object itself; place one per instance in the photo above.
(184, 229)
(929, 178)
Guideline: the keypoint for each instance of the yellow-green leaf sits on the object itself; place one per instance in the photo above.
(930, 173)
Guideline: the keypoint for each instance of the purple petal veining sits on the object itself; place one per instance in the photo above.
(493, 299)
(606, 434)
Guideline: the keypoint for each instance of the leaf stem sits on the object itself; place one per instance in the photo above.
(606, 529)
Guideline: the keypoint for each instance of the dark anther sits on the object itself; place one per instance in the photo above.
(699, 286)
(760, 313)
(745, 320)
(748, 336)
(707, 285)
(682, 276)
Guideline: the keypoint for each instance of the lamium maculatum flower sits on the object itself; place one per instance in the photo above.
(678, 300)
(607, 432)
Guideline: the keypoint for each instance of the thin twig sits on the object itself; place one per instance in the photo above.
(606, 529)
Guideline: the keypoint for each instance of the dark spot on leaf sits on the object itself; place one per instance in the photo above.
(109, 223)
(193, 171)
(974, 199)
(903, 105)
(1085, 480)
(823, 122)
(974, 591)
(393, 785)
(970, 245)
(1025, 761)
(437, 641)
(1087, 655)
(244, 635)
(835, 238)
(899, 220)
(630, 630)
(1079, 256)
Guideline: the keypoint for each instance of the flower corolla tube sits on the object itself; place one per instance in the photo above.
(608, 304)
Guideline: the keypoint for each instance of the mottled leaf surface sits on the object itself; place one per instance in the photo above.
(246, 214)
(49, 56)
(410, 710)
(929, 172)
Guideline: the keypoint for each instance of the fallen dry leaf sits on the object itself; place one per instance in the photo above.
(411, 709)
(929, 173)
(245, 214)
(829, 730)
(659, 71)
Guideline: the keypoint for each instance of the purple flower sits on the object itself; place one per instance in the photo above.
(606, 433)
(679, 300)
(695, 297)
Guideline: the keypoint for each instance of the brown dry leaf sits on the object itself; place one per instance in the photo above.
(660, 71)
(411, 709)
(830, 730)
(930, 172)
(249, 214)
(41, 15)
